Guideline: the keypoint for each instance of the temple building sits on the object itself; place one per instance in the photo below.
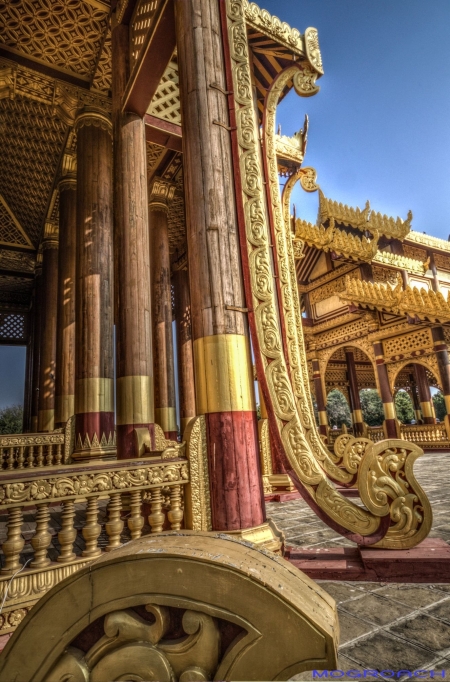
(147, 259)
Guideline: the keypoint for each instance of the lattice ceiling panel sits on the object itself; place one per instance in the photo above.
(10, 232)
(30, 141)
(154, 154)
(359, 355)
(66, 33)
(166, 101)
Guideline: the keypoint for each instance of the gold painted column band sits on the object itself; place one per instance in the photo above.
(46, 420)
(323, 418)
(358, 416)
(64, 407)
(447, 403)
(135, 400)
(94, 395)
(166, 417)
(389, 411)
(223, 374)
(426, 409)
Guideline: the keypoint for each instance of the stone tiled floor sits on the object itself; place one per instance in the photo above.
(389, 627)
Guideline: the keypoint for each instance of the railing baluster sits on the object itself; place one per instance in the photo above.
(42, 538)
(20, 457)
(49, 456)
(92, 529)
(58, 456)
(175, 514)
(10, 458)
(30, 458)
(156, 518)
(14, 542)
(136, 520)
(67, 534)
(40, 456)
(114, 524)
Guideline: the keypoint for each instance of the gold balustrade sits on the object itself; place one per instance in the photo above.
(31, 450)
(429, 435)
(55, 525)
(375, 433)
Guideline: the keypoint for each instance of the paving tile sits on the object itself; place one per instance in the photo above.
(441, 611)
(376, 609)
(442, 587)
(340, 591)
(425, 631)
(383, 652)
(411, 595)
(350, 627)
(343, 664)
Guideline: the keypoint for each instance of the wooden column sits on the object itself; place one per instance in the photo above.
(47, 369)
(28, 391)
(415, 398)
(186, 383)
(161, 193)
(37, 332)
(357, 417)
(440, 348)
(320, 398)
(134, 363)
(424, 394)
(94, 399)
(390, 419)
(222, 361)
(65, 333)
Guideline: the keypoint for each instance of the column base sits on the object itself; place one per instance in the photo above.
(265, 536)
(89, 454)
(281, 482)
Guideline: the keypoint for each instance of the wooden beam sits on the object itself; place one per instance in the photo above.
(16, 273)
(21, 248)
(155, 55)
(163, 132)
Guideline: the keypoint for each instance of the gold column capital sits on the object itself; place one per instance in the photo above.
(93, 116)
(161, 193)
(51, 236)
(67, 182)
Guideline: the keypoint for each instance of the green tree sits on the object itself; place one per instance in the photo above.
(338, 410)
(439, 406)
(371, 406)
(404, 407)
(11, 419)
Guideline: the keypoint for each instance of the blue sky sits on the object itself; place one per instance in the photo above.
(379, 127)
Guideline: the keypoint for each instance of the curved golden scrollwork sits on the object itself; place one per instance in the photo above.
(279, 343)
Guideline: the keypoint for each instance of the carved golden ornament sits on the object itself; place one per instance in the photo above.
(153, 575)
(51, 487)
(291, 400)
(428, 240)
(91, 116)
(161, 193)
(197, 507)
(363, 219)
(387, 484)
(411, 265)
(424, 304)
(304, 81)
(313, 49)
(289, 393)
(332, 238)
(270, 25)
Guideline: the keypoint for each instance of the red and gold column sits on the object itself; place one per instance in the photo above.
(222, 361)
(94, 390)
(37, 332)
(320, 399)
(424, 394)
(47, 369)
(415, 398)
(186, 383)
(357, 416)
(65, 333)
(161, 194)
(134, 363)
(390, 419)
(443, 360)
